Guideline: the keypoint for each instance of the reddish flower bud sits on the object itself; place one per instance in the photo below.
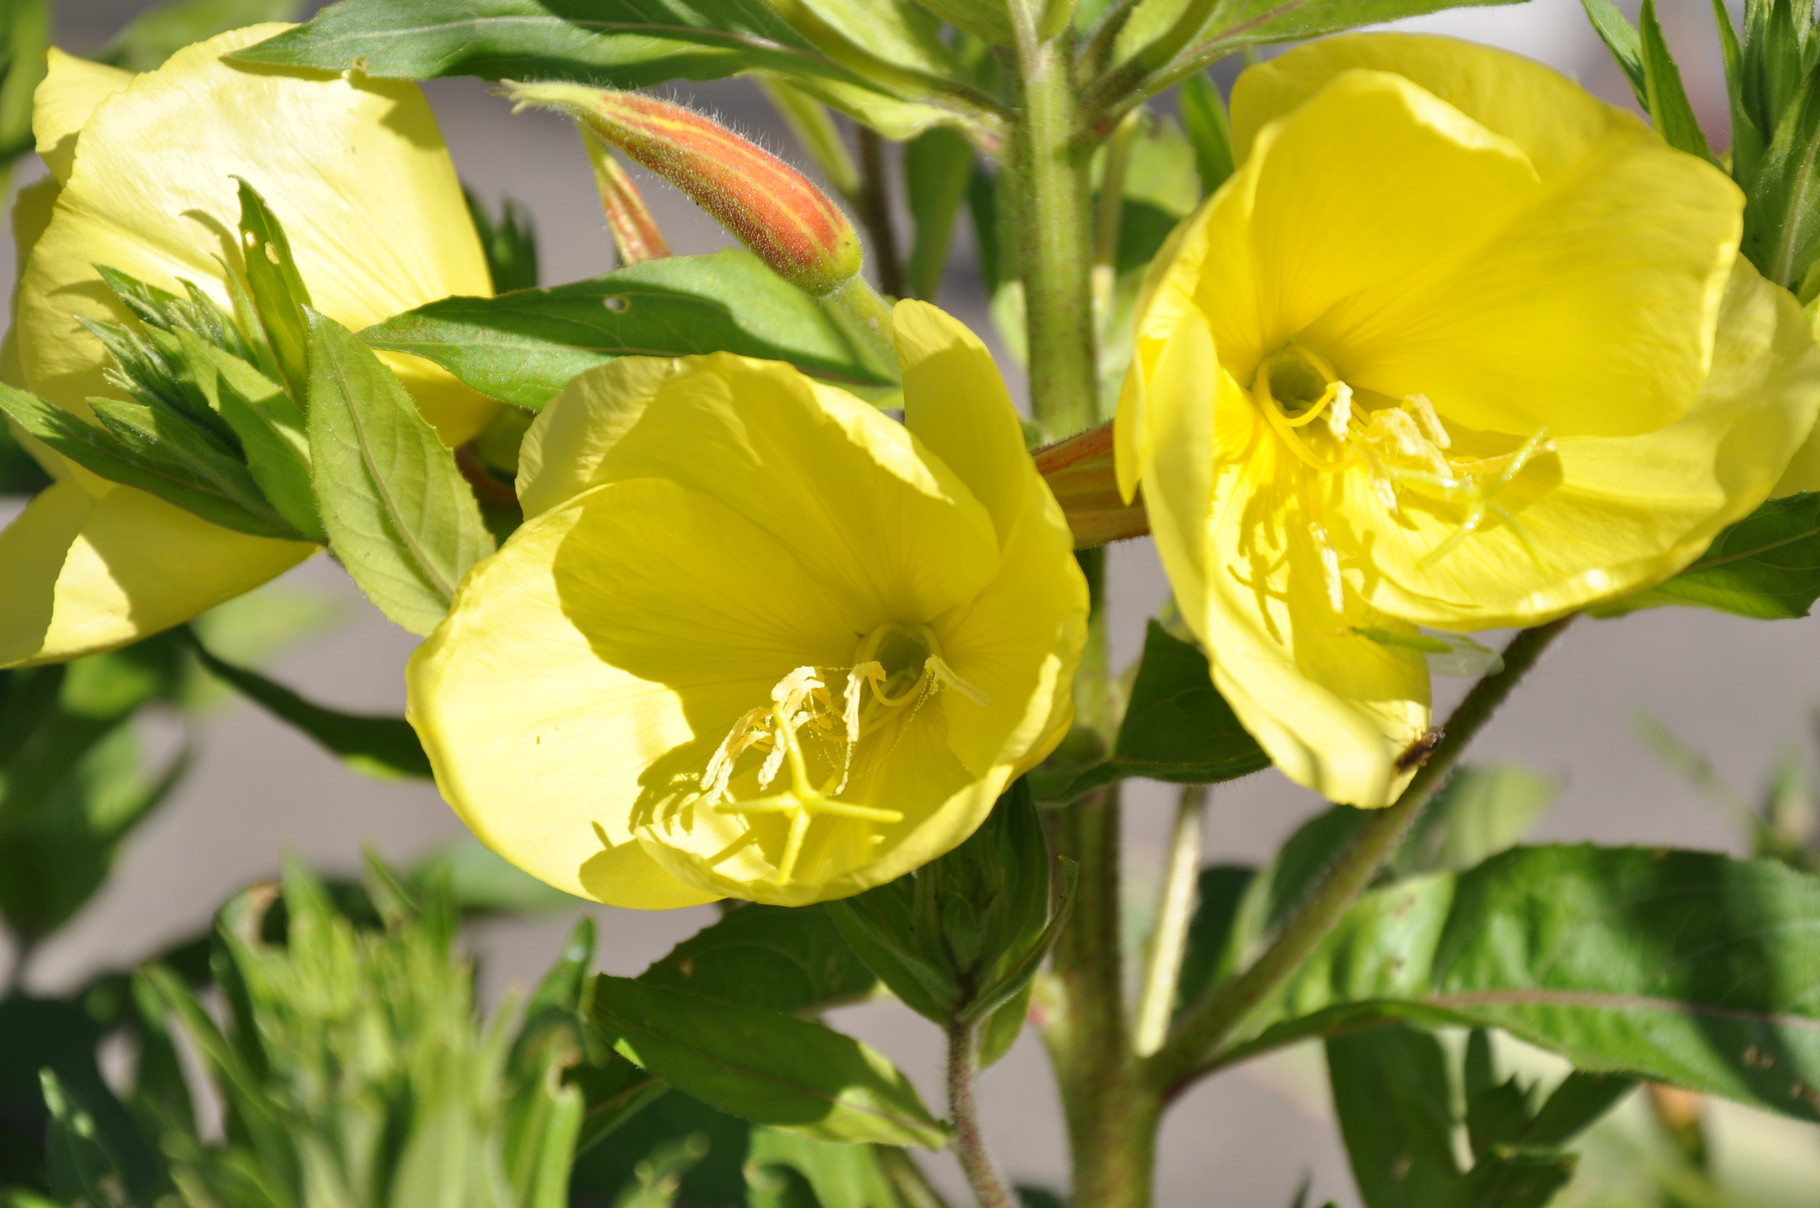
(636, 234)
(1080, 475)
(770, 206)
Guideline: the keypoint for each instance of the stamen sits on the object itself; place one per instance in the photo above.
(1330, 567)
(1339, 415)
(1430, 423)
(944, 674)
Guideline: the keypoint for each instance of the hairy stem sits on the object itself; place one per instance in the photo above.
(1224, 1008)
(1169, 938)
(989, 1186)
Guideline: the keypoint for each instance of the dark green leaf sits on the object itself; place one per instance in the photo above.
(509, 242)
(1684, 967)
(1765, 566)
(1782, 217)
(1669, 107)
(1177, 727)
(94, 1146)
(615, 43)
(152, 37)
(1575, 1105)
(398, 513)
(1624, 43)
(136, 461)
(39, 1034)
(937, 168)
(1211, 931)
(524, 347)
(385, 748)
(1204, 120)
(774, 1069)
(771, 957)
(1390, 1092)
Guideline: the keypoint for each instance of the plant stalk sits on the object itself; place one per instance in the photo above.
(875, 213)
(1212, 1020)
(989, 1186)
(1175, 909)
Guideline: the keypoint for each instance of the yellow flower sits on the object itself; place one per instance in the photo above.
(1457, 346)
(141, 180)
(755, 639)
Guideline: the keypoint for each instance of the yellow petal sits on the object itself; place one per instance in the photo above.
(1605, 516)
(895, 534)
(1590, 313)
(605, 651)
(354, 168)
(1334, 710)
(1371, 181)
(65, 99)
(80, 574)
(31, 214)
(1553, 120)
(956, 403)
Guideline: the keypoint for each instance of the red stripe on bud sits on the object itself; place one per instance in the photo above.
(768, 205)
(1081, 475)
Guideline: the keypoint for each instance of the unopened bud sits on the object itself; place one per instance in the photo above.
(770, 206)
(636, 235)
(1081, 475)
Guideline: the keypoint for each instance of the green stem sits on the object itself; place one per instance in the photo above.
(1054, 224)
(1212, 1020)
(989, 1186)
(1169, 938)
(907, 1178)
(858, 305)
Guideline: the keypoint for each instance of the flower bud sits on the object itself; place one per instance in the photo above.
(1080, 474)
(770, 206)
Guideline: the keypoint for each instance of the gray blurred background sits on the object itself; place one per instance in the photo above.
(1741, 692)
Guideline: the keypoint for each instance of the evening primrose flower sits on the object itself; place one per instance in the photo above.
(142, 180)
(755, 639)
(1457, 346)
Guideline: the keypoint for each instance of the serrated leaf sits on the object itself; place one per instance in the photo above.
(771, 957)
(398, 513)
(136, 463)
(385, 748)
(1765, 566)
(1177, 728)
(524, 347)
(269, 425)
(1684, 967)
(773, 1069)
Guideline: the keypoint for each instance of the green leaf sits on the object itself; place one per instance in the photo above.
(938, 166)
(154, 36)
(385, 748)
(524, 347)
(277, 290)
(25, 34)
(509, 242)
(1481, 810)
(773, 1069)
(125, 453)
(1683, 967)
(1219, 896)
(1624, 43)
(1669, 107)
(1204, 121)
(93, 1145)
(774, 958)
(398, 513)
(1765, 566)
(44, 1034)
(837, 1176)
(158, 437)
(1391, 1092)
(1177, 728)
(74, 782)
(614, 43)
(481, 881)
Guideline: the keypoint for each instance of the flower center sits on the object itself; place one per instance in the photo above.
(895, 666)
(1401, 444)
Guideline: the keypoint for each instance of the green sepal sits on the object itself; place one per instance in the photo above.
(269, 426)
